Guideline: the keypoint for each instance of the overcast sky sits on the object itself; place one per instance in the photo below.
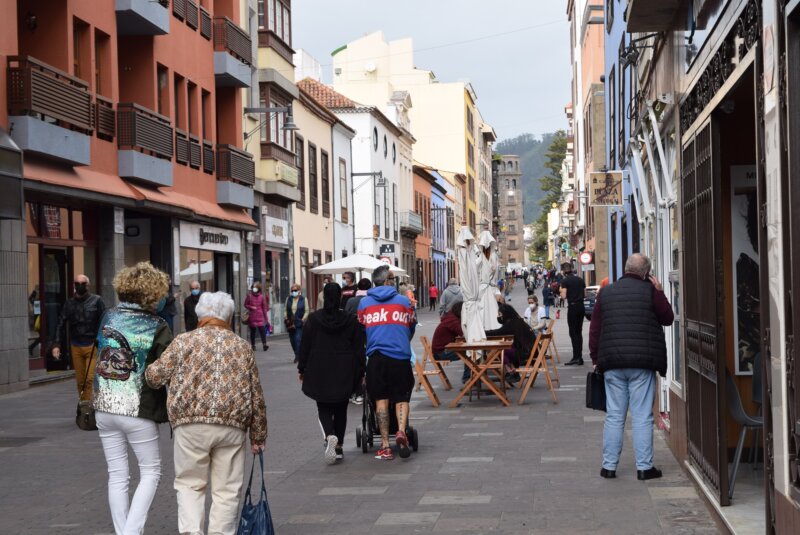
(517, 60)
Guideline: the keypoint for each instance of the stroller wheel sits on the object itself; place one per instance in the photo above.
(370, 440)
(358, 437)
(364, 445)
(414, 439)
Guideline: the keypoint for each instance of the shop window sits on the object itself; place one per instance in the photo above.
(196, 265)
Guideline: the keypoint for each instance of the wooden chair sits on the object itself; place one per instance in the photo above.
(553, 343)
(537, 362)
(438, 365)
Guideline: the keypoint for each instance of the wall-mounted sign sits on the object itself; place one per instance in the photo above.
(585, 258)
(275, 230)
(605, 188)
(210, 238)
(286, 173)
(387, 248)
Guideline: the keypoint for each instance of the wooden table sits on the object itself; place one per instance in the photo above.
(493, 352)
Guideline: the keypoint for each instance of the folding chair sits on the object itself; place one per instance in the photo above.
(422, 378)
(539, 358)
(553, 344)
(438, 365)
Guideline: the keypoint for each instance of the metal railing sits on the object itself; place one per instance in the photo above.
(411, 221)
(143, 129)
(231, 38)
(181, 146)
(208, 156)
(105, 119)
(205, 23)
(235, 164)
(194, 151)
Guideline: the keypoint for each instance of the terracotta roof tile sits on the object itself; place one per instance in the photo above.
(325, 95)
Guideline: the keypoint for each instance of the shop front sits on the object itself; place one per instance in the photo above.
(272, 267)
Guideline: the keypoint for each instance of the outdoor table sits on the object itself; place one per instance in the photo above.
(494, 352)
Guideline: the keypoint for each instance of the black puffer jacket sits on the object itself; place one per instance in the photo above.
(332, 357)
(83, 317)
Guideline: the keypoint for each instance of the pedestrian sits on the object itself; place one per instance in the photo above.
(295, 316)
(257, 307)
(169, 312)
(361, 291)
(626, 343)
(450, 296)
(321, 295)
(501, 285)
(574, 291)
(511, 324)
(433, 296)
(189, 304)
(215, 398)
(130, 339)
(410, 289)
(331, 366)
(547, 299)
(389, 321)
(80, 315)
(448, 330)
(349, 287)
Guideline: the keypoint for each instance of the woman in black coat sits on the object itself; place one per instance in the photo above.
(512, 324)
(331, 364)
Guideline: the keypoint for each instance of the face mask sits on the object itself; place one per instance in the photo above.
(80, 288)
(532, 306)
(161, 304)
(295, 293)
(255, 290)
(195, 291)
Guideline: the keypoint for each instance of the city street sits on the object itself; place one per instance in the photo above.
(480, 467)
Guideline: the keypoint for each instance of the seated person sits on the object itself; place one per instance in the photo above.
(535, 315)
(448, 330)
(512, 324)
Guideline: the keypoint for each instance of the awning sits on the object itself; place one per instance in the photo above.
(79, 178)
(199, 206)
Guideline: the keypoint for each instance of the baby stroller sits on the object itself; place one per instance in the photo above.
(368, 431)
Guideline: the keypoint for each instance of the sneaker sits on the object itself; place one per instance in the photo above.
(330, 449)
(385, 454)
(402, 444)
(358, 400)
(339, 454)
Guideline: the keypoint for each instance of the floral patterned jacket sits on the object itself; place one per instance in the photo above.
(212, 378)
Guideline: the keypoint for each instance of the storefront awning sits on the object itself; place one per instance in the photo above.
(80, 178)
(199, 206)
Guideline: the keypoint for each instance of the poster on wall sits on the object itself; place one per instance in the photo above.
(744, 241)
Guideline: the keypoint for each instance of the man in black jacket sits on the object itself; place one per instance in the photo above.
(189, 304)
(576, 291)
(626, 342)
(82, 314)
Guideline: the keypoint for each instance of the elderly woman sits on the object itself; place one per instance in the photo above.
(130, 339)
(214, 398)
(297, 310)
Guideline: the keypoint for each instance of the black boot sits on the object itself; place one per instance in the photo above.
(650, 473)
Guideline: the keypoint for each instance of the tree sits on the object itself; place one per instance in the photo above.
(550, 184)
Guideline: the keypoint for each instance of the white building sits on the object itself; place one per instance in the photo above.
(343, 218)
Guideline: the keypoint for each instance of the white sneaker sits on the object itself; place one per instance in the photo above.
(359, 400)
(330, 449)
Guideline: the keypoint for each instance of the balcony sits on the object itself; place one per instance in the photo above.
(232, 54)
(410, 223)
(235, 177)
(142, 17)
(656, 15)
(277, 181)
(145, 141)
(192, 19)
(208, 157)
(205, 23)
(105, 119)
(50, 112)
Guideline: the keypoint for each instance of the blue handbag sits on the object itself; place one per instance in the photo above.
(256, 518)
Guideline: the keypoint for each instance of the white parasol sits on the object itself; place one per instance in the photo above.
(487, 277)
(471, 321)
(356, 262)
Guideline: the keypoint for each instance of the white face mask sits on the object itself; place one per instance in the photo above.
(256, 290)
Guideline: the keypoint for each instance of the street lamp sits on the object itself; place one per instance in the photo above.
(288, 124)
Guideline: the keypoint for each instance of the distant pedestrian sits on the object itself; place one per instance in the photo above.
(81, 317)
(215, 397)
(547, 299)
(450, 296)
(410, 293)
(349, 287)
(361, 291)
(130, 339)
(331, 366)
(433, 296)
(626, 342)
(574, 291)
(189, 304)
(257, 306)
(169, 311)
(321, 295)
(295, 315)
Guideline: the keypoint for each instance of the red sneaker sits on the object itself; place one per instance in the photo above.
(385, 454)
(402, 444)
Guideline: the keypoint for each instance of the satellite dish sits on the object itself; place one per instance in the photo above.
(370, 67)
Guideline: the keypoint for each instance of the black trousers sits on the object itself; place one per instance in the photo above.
(575, 314)
(333, 418)
(261, 332)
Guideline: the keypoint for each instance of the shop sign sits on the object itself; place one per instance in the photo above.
(276, 230)
(287, 173)
(198, 236)
(605, 189)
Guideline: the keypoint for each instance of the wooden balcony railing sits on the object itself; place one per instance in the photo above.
(208, 156)
(191, 14)
(235, 164)
(194, 151)
(229, 37)
(36, 88)
(145, 130)
(179, 8)
(181, 146)
(205, 23)
(105, 120)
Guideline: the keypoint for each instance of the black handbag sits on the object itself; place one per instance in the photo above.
(84, 416)
(256, 519)
(595, 391)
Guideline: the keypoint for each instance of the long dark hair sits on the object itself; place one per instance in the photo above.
(332, 295)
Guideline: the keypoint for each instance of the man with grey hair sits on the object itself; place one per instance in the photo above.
(450, 296)
(214, 398)
(626, 343)
(389, 321)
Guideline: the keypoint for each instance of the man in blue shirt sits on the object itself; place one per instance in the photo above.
(389, 320)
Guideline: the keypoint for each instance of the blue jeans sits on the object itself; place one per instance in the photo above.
(452, 357)
(635, 389)
(294, 339)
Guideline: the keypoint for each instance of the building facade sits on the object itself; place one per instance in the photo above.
(511, 238)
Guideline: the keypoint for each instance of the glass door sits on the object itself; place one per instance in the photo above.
(54, 292)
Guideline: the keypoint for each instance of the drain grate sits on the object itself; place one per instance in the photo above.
(15, 442)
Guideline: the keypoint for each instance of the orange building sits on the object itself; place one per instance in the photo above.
(423, 275)
(129, 115)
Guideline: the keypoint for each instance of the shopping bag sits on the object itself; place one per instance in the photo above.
(595, 391)
(256, 518)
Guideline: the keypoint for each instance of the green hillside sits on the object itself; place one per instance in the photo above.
(531, 151)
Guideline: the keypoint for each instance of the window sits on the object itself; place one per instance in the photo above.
(301, 175)
(272, 127)
(471, 180)
(386, 213)
(262, 24)
(326, 191)
(163, 89)
(609, 15)
(80, 50)
(375, 139)
(205, 109)
(102, 63)
(191, 101)
(394, 209)
(394, 153)
(344, 192)
(179, 87)
(470, 120)
(621, 113)
(385, 147)
(313, 191)
(470, 154)
(277, 18)
(612, 116)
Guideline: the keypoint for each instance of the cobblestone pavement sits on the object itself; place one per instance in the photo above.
(481, 467)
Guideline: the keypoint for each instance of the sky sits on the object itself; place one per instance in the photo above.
(514, 52)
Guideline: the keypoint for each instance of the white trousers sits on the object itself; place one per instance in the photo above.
(116, 432)
(200, 450)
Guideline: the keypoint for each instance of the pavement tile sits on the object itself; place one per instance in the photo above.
(405, 519)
